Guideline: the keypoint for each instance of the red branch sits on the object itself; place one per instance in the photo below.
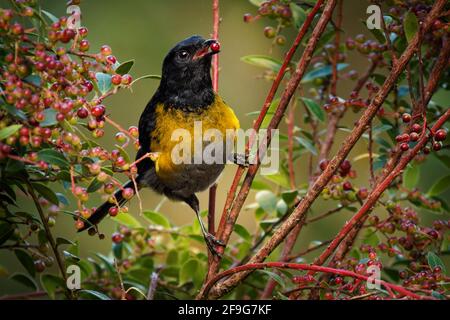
(314, 268)
(215, 80)
(366, 208)
(227, 219)
(297, 215)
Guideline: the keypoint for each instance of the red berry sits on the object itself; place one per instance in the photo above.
(111, 59)
(128, 193)
(24, 131)
(323, 164)
(440, 135)
(406, 117)
(79, 224)
(248, 17)
(437, 146)
(269, 32)
(82, 113)
(215, 46)
(127, 79)
(117, 237)
(84, 45)
(346, 165)
(113, 211)
(88, 85)
(347, 186)
(116, 79)
(416, 127)
(67, 35)
(363, 193)
(414, 136)
(402, 137)
(83, 31)
(39, 265)
(133, 131)
(404, 146)
(105, 50)
(98, 111)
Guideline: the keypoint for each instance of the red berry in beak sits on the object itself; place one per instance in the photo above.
(215, 47)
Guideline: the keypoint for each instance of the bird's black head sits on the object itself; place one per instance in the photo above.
(186, 79)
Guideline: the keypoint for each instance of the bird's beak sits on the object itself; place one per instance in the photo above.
(205, 50)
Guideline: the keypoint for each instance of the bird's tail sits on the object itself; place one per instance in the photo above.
(102, 211)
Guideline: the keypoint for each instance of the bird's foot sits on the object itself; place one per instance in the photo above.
(212, 242)
(240, 159)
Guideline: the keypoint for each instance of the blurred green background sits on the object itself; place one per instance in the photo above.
(145, 30)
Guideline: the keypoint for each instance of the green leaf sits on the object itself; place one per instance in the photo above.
(9, 131)
(123, 153)
(262, 61)
(276, 277)
(298, 14)
(46, 192)
(61, 241)
(314, 108)
(435, 261)
(307, 144)
(259, 185)
(187, 271)
(107, 262)
(157, 218)
(24, 279)
(53, 157)
(70, 257)
(127, 220)
(438, 295)
(49, 15)
(280, 178)
(103, 82)
(26, 261)
(242, 232)
(289, 196)
(15, 112)
(411, 176)
(266, 224)
(256, 2)
(49, 118)
(50, 283)
(94, 294)
(410, 25)
(6, 230)
(322, 72)
(270, 112)
(117, 249)
(94, 185)
(439, 187)
(148, 76)
(33, 79)
(124, 67)
(267, 200)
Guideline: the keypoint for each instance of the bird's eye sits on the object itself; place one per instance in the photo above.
(183, 55)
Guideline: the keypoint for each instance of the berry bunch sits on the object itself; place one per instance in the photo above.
(53, 91)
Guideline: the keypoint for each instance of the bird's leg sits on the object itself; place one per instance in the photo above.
(211, 240)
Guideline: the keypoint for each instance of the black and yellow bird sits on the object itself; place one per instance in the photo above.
(185, 95)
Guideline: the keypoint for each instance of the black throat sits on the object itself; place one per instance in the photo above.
(190, 90)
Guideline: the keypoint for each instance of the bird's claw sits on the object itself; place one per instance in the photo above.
(212, 242)
(241, 159)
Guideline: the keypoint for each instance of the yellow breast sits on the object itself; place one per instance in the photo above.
(218, 116)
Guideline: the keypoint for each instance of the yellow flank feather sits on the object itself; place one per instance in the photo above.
(218, 116)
